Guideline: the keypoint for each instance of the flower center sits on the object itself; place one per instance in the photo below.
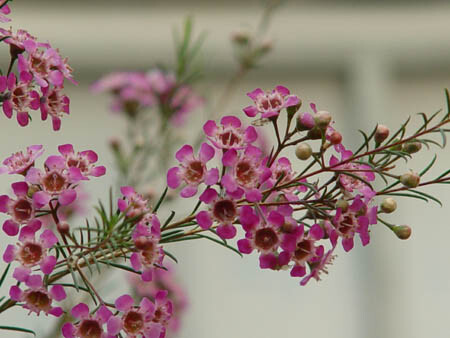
(90, 328)
(194, 172)
(38, 299)
(266, 238)
(79, 163)
(133, 322)
(304, 250)
(225, 210)
(31, 254)
(346, 225)
(54, 182)
(23, 210)
(229, 138)
(244, 172)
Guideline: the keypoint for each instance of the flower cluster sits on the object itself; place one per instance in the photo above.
(135, 91)
(40, 80)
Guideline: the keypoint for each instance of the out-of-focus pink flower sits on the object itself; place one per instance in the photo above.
(54, 103)
(133, 203)
(269, 104)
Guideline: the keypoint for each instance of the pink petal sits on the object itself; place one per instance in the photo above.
(282, 90)
(56, 123)
(103, 313)
(298, 271)
(57, 292)
(127, 191)
(68, 330)
(250, 111)
(34, 281)
(9, 254)
(66, 149)
(4, 199)
(135, 261)
(188, 191)
(41, 198)
(316, 232)
(114, 325)
(147, 275)
(212, 176)
(347, 244)
(229, 158)
(250, 134)
(208, 195)
(20, 188)
(231, 121)
(292, 101)
(173, 179)
(255, 93)
(48, 264)
(22, 118)
(244, 246)
(253, 195)
(229, 183)
(10, 227)
(206, 152)
(98, 171)
(56, 311)
(226, 231)
(203, 219)
(21, 274)
(276, 218)
(80, 311)
(268, 261)
(67, 197)
(7, 109)
(185, 153)
(15, 293)
(210, 127)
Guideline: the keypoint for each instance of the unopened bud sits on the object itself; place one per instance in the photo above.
(63, 227)
(342, 204)
(381, 133)
(412, 147)
(315, 134)
(410, 180)
(322, 119)
(335, 137)
(293, 109)
(388, 205)
(240, 38)
(303, 151)
(402, 231)
(305, 121)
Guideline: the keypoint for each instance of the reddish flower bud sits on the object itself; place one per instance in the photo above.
(303, 151)
(402, 231)
(381, 133)
(410, 180)
(305, 121)
(335, 137)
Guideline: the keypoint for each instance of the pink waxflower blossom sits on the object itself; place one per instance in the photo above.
(356, 219)
(20, 209)
(19, 163)
(84, 161)
(20, 96)
(16, 40)
(38, 298)
(269, 104)
(165, 279)
(53, 103)
(89, 325)
(161, 83)
(30, 251)
(132, 202)
(149, 254)
(351, 183)
(56, 182)
(319, 267)
(192, 170)
(4, 10)
(230, 134)
(137, 321)
(247, 172)
(222, 210)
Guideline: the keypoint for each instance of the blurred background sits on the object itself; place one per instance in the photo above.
(364, 61)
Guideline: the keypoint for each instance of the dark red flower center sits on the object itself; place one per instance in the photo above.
(78, 163)
(22, 210)
(133, 322)
(54, 182)
(38, 299)
(266, 238)
(346, 225)
(31, 253)
(194, 172)
(90, 328)
(304, 249)
(229, 138)
(244, 172)
(225, 210)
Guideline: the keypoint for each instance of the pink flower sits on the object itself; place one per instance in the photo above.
(149, 254)
(57, 182)
(89, 326)
(247, 172)
(133, 203)
(351, 183)
(16, 40)
(230, 134)
(270, 104)
(356, 219)
(182, 103)
(38, 298)
(161, 83)
(192, 170)
(4, 10)
(84, 161)
(31, 252)
(136, 321)
(19, 163)
(318, 267)
(20, 209)
(222, 210)
(20, 97)
(53, 103)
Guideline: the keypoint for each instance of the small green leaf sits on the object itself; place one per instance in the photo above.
(161, 199)
(19, 329)
(2, 279)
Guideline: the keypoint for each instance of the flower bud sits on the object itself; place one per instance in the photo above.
(305, 121)
(315, 134)
(381, 133)
(402, 231)
(322, 119)
(412, 147)
(410, 180)
(63, 227)
(335, 137)
(342, 204)
(293, 109)
(388, 205)
(303, 151)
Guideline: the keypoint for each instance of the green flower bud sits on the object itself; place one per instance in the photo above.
(412, 147)
(410, 180)
(402, 231)
(293, 109)
(322, 119)
(303, 151)
(343, 204)
(388, 205)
